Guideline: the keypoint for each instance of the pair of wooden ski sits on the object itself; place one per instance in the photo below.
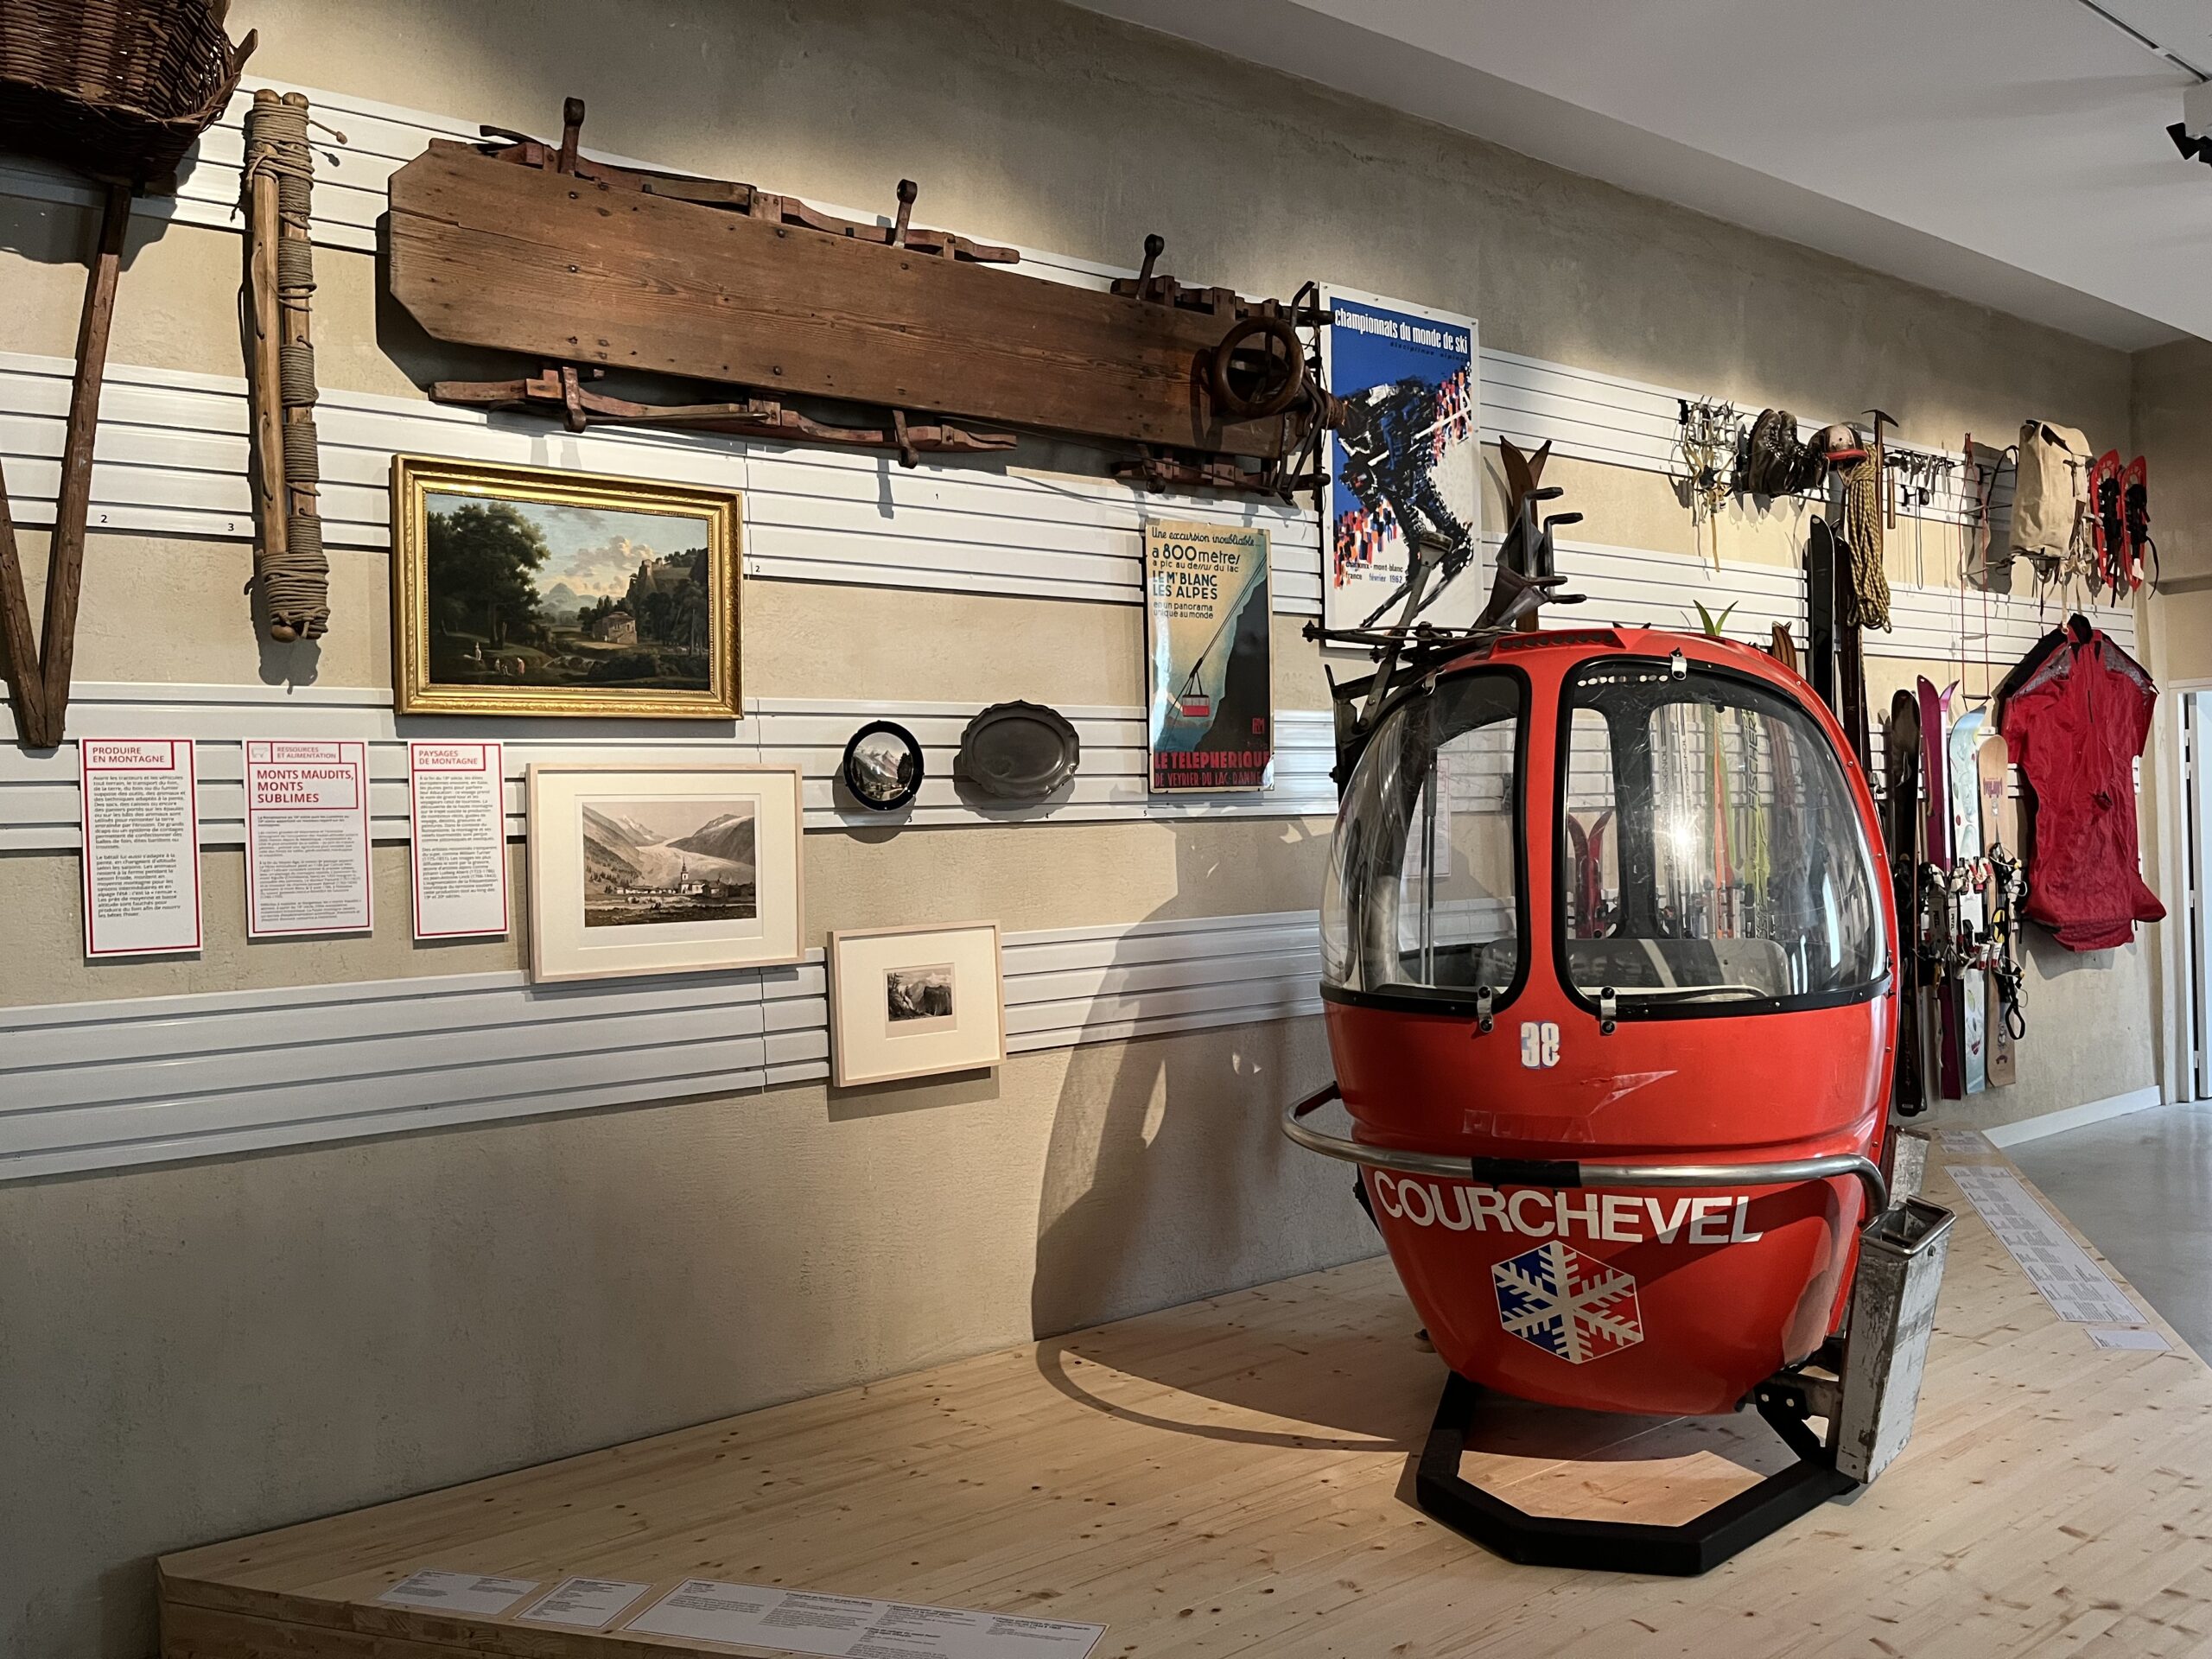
(1953, 832)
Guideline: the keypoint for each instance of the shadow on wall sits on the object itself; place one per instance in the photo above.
(1166, 1177)
(64, 235)
(67, 234)
(2054, 961)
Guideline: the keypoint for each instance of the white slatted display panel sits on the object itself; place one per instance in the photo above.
(1635, 587)
(1582, 412)
(171, 459)
(1099, 984)
(99, 1085)
(38, 791)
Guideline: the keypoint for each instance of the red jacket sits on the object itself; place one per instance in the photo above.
(2076, 724)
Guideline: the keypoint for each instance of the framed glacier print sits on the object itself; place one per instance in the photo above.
(663, 869)
(914, 1001)
(527, 590)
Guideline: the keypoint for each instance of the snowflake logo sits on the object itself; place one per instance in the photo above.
(1570, 1305)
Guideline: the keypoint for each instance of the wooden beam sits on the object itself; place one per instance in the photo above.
(26, 679)
(262, 347)
(65, 566)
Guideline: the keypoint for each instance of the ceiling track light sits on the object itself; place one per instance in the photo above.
(2195, 101)
(2143, 40)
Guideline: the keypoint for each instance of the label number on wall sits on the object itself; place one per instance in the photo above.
(1539, 1044)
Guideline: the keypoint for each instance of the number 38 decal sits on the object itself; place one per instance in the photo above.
(1539, 1043)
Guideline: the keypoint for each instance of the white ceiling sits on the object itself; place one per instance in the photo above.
(2013, 152)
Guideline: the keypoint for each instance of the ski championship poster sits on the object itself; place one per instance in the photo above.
(1408, 455)
(1211, 655)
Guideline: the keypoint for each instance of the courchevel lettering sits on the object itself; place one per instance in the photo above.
(1461, 1207)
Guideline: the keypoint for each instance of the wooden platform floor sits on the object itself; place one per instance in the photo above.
(1233, 1477)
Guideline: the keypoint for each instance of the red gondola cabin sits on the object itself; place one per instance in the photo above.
(1610, 901)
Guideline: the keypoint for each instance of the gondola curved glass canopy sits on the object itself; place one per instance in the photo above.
(1706, 853)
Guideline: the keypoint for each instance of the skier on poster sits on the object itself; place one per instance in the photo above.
(1390, 447)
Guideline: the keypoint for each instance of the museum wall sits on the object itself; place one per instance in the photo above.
(202, 1348)
(2172, 426)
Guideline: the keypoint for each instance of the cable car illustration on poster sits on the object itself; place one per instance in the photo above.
(1609, 956)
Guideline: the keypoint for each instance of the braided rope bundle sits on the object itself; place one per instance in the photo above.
(1869, 589)
(294, 577)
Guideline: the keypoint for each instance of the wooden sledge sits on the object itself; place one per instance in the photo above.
(578, 264)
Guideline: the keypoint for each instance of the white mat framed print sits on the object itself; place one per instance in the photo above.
(916, 1002)
(663, 869)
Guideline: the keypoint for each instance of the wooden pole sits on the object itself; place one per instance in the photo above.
(65, 568)
(26, 680)
(290, 572)
(267, 401)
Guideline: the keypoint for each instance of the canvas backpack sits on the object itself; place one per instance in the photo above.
(2050, 493)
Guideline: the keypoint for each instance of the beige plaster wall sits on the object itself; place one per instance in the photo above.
(2172, 409)
(207, 1350)
(200, 1350)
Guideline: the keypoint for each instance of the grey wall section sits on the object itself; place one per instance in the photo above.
(195, 1352)
(2172, 428)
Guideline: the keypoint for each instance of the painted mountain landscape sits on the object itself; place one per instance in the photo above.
(549, 594)
(650, 862)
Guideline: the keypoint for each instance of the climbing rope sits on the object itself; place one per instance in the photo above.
(1862, 534)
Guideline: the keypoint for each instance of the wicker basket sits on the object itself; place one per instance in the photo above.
(115, 88)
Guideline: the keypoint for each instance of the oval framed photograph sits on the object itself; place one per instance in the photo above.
(1019, 751)
(883, 767)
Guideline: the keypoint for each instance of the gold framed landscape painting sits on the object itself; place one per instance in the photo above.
(528, 590)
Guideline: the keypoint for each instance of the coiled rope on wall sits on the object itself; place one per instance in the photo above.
(1869, 586)
(290, 568)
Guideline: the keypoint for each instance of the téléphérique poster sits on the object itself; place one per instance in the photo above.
(1407, 456)
(1210, 654)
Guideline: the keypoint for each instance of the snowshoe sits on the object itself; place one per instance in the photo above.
(2107, 523)
(2135, 510)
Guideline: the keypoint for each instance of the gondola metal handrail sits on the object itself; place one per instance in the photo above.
(1571, 1172)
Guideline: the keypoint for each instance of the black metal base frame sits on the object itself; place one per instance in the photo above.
(1684, 1551)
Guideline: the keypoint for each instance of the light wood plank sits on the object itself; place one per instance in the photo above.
(1233, 1477)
